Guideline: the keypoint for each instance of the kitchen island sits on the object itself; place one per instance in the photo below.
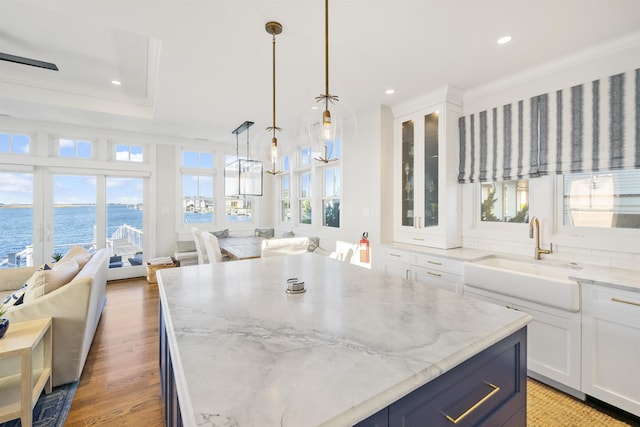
(237, 350)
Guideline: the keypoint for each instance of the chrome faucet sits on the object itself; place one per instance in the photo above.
(534, 222)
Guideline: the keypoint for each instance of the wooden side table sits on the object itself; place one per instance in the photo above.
(25, 356)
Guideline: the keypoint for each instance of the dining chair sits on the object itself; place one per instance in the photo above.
(212, 247)
(200, 249)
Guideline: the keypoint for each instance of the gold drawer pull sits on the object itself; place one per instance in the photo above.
(625, 301)
(434, 274)
(434, 262)
(418, 239)
(476, 405)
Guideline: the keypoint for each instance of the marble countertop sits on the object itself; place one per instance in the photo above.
(460, 254)
(246, 353)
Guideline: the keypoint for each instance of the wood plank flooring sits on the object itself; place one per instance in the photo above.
(120, 384)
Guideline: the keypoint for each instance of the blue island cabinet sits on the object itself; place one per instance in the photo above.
(490, 389)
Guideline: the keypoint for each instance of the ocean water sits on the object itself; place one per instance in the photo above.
(71, 225)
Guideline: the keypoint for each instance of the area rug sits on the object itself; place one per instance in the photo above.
(548, 407)
(52, 409)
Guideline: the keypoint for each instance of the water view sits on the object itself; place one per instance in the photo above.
(72, 224)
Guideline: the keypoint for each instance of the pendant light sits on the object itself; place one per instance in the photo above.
(333, 131)
(243, 177)
(273, 28)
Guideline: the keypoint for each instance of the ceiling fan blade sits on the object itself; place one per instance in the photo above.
(28, 61)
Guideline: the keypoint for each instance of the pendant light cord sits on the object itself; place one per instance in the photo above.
(274, 84)
(326, 52)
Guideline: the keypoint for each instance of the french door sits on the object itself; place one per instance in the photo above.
(45, 211)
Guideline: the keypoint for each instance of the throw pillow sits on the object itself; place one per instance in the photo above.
(17, 297)
(77, 253)
(287, 234)
(222, 234)
(186, 246)
(314, 242)
(265, 233)
(43, 282)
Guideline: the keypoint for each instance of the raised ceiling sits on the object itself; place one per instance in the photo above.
(197, 69)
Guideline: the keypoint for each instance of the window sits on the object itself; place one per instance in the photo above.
(197, 187)
(285, 198)
(238, 209)
(602, 199)
(14, 143)
(305, 157)
(331, 198)
(74, 148)
(505, 201)
(304, 201)
(129, 153)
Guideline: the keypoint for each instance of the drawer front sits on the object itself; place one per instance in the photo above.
(490, 386)
(436, 263)
(439, 279)
(389, 254)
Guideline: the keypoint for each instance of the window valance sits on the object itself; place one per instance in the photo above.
(588, 127)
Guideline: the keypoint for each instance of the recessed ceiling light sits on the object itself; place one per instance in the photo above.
(115, 82)
(390, 91)
(504, 40)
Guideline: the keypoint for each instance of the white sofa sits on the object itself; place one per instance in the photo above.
(75, 308)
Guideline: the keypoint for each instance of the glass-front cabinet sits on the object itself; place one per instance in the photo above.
(425, 184)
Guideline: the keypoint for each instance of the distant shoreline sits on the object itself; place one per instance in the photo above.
(81, 205)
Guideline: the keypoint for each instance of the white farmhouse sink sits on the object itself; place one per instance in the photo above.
(540, 281)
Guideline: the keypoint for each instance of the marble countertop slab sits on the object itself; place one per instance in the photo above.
(246, 353)
(460, 254)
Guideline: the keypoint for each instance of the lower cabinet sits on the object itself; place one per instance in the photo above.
(444, 273)
(554, 341)
(487, 390)
(171, 410)
(611, 346)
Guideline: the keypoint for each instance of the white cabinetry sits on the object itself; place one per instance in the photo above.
(444, 273)
(426, 170)
(611, 346)
(553, 340)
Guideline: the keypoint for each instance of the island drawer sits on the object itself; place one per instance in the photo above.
(487, 390)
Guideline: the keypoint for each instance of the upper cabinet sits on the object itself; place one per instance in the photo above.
(426, 170)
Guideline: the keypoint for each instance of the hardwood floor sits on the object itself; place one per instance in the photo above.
(120, 383)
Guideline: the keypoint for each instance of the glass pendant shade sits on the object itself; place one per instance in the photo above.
(329, 122)
(270, 153)
(243, 177)
(331, 131)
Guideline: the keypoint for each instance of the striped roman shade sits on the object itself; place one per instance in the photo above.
(588, 127)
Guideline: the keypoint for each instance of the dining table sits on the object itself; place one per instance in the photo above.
(244, 247)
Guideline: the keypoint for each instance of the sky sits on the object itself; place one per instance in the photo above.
(17, 188)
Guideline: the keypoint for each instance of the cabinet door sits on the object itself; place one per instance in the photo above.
(396, 263)
(611, 345)
(425, 177)
(418, 181)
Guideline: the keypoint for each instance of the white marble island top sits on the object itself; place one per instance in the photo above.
(246, 353)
